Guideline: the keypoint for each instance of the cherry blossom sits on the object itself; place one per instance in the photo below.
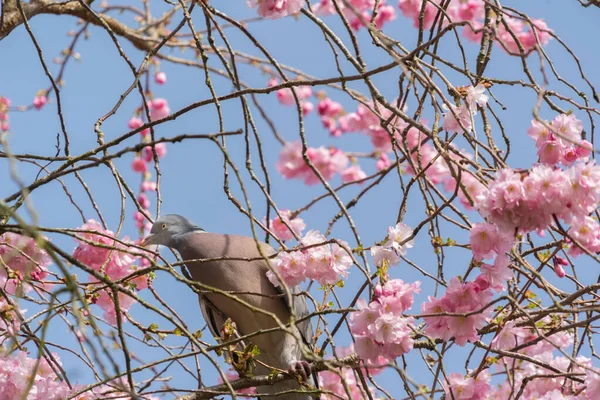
(135, 123)
(100, 251)
(327, 161)
(326, 263)
(25, 259)
(281, 230)
(159, 109)
(160, 78)
(39, 101)
(487, 240)
(395, 246)
(352, 174)
(15, 374)
(459, 387)
(381, 331)
(160, 148)
(460, 298)
(275, 8)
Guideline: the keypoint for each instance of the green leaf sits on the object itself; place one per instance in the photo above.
(153, 327)
(178, 332)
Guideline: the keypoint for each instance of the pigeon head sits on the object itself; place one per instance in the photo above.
(168, 228)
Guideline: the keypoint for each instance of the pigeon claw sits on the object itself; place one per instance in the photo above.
(300, 369)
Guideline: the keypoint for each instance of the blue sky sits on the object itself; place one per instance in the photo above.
(192, 177)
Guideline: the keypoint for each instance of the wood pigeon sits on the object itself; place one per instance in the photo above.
(248, 278)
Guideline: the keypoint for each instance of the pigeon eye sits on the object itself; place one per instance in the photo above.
(164, 226)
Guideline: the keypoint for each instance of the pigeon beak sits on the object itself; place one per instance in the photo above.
(147, 240)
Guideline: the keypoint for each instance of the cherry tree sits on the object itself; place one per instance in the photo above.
(425, 169)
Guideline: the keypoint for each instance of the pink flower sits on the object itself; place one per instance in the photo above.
(275, 8)
(148, 154)
(385, 14)
(459, 387)
(498, 274)
(380, 329)
(510, 336)
(399, 238)
(592, 378)
(135, 123)
(281, 230)
(396, 296)
(352, 174)
(39, 101)
(286, 96)
(291, 164)
(476, 96)
(159, 109)
(323, 263)
(148, 186)
(144, 201)
(139, 165)
(329, 108)
(486, 240)
(459, 298)
(25, 259)
(307, 107)
(455, 117)
(383, 162)
(160, 78)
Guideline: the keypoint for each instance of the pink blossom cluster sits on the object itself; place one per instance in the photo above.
(15, 374)
(461, 387)
(160, 78)
(473, 11)
(542, 383)
(140, 163)
(529, 201)
(140, 221)
(459, 117)
(381, 331)
(116, 389)
(395, 245)
(460, 298)
(102, 252)
(423, 154)
(486, 242)
(278, 227)
(331, 381)
(325, 263)
(327, 161)
(329, 111)
(561, 143)
(275, 8)
(40, 101)
(4, 105)
(25, 259)
(159, 108)
(359, 12)
(286, 96)
(233, 376)
(524, 33)
(366, 121)
(352, 174)
(436, 169)
(136, 122)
